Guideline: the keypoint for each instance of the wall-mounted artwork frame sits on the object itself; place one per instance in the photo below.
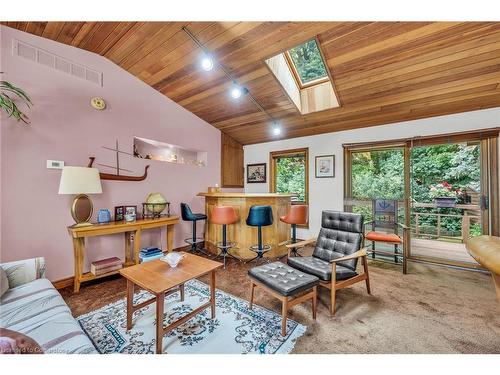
(256, 173)
(325, 166)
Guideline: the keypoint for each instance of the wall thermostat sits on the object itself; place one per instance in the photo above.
(55, 164)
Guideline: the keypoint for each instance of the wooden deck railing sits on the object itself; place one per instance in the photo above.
(470, 212)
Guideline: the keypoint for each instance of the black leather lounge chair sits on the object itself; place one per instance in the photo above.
(337, 250)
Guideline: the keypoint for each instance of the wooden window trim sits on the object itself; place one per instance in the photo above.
(273, 155)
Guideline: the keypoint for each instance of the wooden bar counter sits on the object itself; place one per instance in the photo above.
(275, 235)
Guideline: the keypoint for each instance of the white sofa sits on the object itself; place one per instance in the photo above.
(35, 308)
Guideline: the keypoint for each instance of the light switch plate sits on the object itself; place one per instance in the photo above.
(55, 164)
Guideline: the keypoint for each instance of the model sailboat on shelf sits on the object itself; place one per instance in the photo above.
(118, 176)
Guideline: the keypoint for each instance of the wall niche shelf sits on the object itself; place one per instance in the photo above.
(169, 153)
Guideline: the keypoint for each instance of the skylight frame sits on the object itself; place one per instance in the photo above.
(295, 72)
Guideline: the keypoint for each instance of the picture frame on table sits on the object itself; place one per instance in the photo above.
(325, 166)
(256, 173)
(119, 213)
(130, 213)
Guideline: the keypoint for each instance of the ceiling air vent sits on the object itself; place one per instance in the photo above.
(55, 62)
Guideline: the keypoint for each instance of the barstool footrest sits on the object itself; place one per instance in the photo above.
(265, 248)
(196, 241)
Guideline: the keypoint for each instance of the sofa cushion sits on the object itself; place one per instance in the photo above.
(38, 310)
(283, 279)
(320, 268)
(4, 282)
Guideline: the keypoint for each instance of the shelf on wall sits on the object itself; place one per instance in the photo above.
(169, 153)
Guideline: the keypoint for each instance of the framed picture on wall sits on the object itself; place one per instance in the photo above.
(325, 166)
(256, 173)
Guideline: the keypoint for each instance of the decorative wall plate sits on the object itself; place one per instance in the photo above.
(98, 103)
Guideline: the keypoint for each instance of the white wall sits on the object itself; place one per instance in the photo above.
(327, 193)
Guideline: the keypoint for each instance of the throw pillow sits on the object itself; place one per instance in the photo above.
(12, 342)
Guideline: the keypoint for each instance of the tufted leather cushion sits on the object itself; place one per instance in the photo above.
(283, 279)
(320, 268)
(341, 234)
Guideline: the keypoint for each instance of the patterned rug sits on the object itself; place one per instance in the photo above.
(235, 330)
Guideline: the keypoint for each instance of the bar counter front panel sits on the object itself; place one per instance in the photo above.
(245, 236)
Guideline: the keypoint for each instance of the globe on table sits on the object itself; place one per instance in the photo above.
(156, 203)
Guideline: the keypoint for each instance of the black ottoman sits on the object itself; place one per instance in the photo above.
(285, 283)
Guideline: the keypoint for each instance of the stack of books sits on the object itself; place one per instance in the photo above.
(105, 265)
(150, 253)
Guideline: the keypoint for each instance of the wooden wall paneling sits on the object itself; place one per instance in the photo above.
(232, 168)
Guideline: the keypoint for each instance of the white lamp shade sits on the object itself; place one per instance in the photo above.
(80, 180)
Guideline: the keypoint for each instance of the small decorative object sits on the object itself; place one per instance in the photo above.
(80, 181)
(118, 176)
(98, 103)
(443, 195)
(130, 213)
(7, 94)
(119, 213)
(172, 259)
(325, 166)
(104, 216)
(256, 173)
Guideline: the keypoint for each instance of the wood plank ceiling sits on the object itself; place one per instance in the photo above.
(384, 72)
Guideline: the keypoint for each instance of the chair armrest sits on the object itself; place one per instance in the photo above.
(23, 271)
(368, 222)
(301, 243)
(402, 226)
(357, 254)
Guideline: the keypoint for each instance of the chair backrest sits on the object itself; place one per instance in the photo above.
(260, 216)
(385, 213)
(341, 234)
(186, 213)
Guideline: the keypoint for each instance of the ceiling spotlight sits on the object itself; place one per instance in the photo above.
(207, 63)
(276, 130)
(236, 91)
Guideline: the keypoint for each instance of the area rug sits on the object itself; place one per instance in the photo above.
(235, 329)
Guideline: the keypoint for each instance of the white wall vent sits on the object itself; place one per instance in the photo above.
(53, 61)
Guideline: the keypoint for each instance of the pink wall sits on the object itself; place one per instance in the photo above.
(65, 127)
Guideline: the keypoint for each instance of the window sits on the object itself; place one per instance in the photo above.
(307, 64)
(290, 173)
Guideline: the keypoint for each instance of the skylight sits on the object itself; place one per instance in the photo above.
(307, 63)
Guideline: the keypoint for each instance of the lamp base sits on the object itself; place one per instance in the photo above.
(84, 224)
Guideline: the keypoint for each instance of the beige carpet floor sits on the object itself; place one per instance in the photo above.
(430, 310)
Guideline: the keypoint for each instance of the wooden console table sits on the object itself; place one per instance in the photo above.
(78, 235)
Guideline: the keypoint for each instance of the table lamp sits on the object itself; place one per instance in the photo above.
(80, 181)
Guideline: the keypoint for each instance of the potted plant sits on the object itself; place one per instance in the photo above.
(8, 93)
(443, 194)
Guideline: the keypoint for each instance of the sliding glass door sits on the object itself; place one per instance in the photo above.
(446, 188)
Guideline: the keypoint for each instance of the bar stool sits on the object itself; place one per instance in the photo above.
(224, 215)
(188, 215)
(260, 216)
(297, 215)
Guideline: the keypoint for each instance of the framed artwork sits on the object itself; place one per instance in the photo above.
(119, 213)
(256, 173)
(325, 166)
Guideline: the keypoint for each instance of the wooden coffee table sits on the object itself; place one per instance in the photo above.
(158, 278)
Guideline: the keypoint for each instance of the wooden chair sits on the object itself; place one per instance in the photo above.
(385, 216)
(336, 253)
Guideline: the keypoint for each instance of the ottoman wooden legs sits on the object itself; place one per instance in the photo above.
(286, 301)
